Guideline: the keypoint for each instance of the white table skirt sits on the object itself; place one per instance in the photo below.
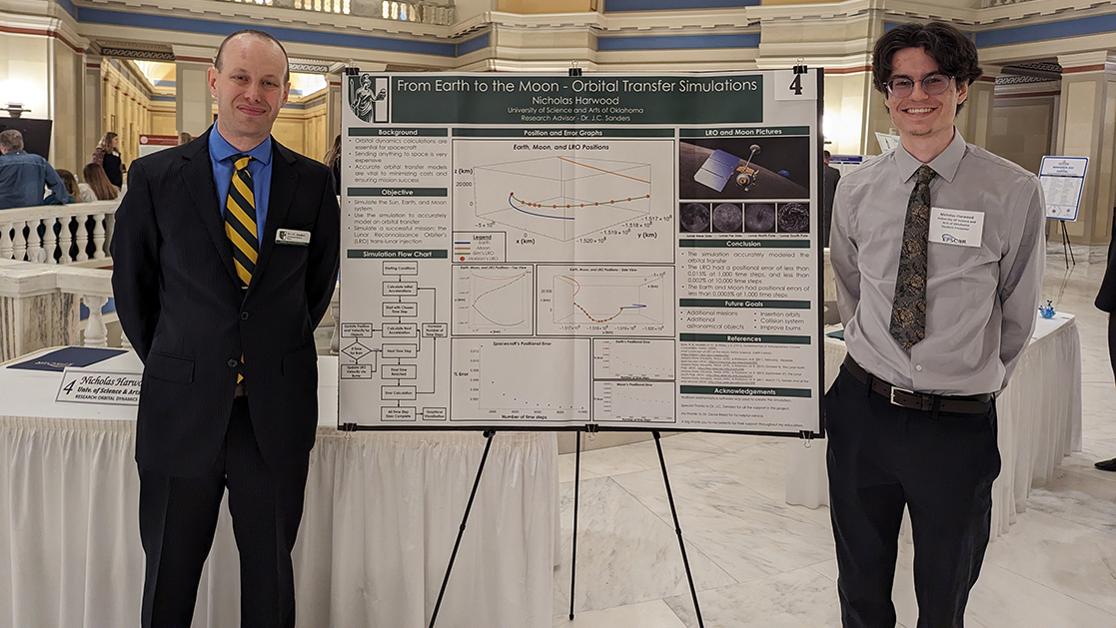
(382, 511)
(1039, 423)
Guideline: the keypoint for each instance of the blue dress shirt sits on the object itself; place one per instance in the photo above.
(22, 179)
(221, 154)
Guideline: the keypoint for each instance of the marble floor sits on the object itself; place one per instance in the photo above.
(759, 562)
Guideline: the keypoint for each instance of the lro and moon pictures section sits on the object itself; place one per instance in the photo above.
(622, 273)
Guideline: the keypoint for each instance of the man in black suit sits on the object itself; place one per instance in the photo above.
(225, 258)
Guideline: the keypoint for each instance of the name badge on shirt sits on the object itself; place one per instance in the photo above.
(294, 237)
(956, 227)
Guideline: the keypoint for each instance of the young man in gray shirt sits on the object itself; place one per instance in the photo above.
(938, 256)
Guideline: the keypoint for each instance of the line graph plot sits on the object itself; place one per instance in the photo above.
(562, 198)
(606, 300)
(493, 300)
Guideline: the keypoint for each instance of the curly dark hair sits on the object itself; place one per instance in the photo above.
(955, 53)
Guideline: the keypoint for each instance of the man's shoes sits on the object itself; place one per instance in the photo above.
(1106, 465)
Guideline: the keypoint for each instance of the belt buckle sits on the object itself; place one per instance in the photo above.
(895, 389)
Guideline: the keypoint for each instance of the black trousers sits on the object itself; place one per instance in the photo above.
(178, 517)
(940, 466)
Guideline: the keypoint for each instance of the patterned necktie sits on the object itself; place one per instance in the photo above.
(908, 309)
(240, 227)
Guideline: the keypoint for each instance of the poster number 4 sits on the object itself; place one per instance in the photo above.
(793, 86)
(796, 85)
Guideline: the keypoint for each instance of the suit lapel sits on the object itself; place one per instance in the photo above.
(197, 178)
(284, 182)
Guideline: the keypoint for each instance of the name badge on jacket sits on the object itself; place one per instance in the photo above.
(956, 227)
(293, 237)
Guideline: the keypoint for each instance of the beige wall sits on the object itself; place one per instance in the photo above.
(1088, 129)
(303, 131)
(125, 107)
(288, 130)
(843, 123)
(1021, 130)
(317, 137)
(162, 123)
(67, 110)
(25, 72)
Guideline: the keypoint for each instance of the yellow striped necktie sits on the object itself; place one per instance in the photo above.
(240, 220)
(240, 227)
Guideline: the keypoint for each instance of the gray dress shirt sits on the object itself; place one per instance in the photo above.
(980, 301)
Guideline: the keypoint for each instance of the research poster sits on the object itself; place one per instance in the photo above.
(553, 252)
(1062, 180)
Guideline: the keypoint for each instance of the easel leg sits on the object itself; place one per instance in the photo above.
(577, 494)
(488, 434)
(1067, 244)
(678, 529)
(1067, 250)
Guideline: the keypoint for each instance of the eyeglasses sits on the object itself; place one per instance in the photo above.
(932, 84)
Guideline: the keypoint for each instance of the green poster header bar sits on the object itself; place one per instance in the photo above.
(745, 244)
(742, 391)
(771, 131)
(566, 133)
(396, 132)
(400, 192)
(396, 254)
(746, 303)
(590, 101)
(746, 339)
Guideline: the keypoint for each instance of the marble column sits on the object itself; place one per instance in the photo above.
(193, 102)
(110, 106)
(975, 118)
(93, 104)
(118, 107)
(1087, 128)
(333, 103)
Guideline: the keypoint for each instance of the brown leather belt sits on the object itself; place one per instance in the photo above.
(973, 404)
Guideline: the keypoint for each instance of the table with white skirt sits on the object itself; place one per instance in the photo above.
(381, 514)
(1038, 414)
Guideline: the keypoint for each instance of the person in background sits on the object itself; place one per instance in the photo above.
(184, 138)
(107, 155)
(333, 160)
(830, 177)
(102, 188)
(24, 176)
(80, 192)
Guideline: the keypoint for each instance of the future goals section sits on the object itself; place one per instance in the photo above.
(552, 252)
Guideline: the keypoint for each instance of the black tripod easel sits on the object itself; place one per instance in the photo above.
(488, 434)
(1067, 248)
(673, 513)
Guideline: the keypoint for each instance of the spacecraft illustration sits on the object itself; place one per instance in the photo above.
(743, 169)
(722, 167)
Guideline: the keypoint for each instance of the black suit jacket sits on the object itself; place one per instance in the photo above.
(183, 309)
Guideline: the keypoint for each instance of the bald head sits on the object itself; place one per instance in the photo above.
(217, 63)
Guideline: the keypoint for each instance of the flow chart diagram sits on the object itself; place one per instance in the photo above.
(403, 350)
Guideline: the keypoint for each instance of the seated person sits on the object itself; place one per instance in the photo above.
(103, 189)
(24, 176)
(80, 192)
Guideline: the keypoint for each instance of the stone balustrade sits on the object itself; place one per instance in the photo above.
(40, 305)
(421, 12)
(79, 233)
